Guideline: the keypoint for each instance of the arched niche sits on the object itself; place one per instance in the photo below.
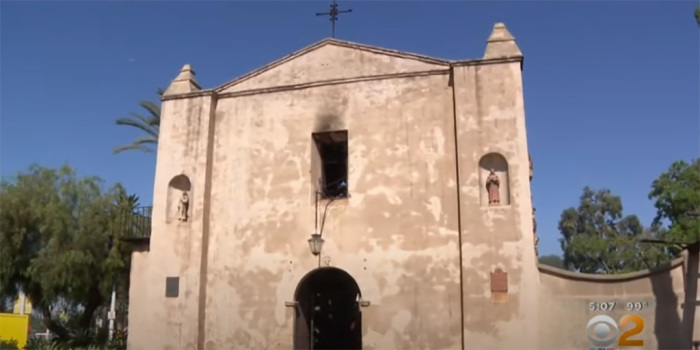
(176, 187)
(328, 314)
(499, 165)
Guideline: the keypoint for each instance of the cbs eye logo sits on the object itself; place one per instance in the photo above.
(602, 331)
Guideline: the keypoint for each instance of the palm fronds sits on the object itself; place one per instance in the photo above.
(149, 124)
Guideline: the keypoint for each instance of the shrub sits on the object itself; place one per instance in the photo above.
(8, 345)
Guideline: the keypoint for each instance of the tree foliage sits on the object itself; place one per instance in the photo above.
(148, 124)
(676, 195)
(552, 260)
(598, 238)
(59, 242)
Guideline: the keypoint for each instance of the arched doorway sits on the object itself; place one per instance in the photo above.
(328, 312)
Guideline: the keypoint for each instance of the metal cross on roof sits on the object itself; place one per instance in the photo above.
(333, 13)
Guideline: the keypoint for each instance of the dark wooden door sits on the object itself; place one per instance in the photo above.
(335, 320)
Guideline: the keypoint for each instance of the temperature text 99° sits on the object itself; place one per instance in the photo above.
(636, 306)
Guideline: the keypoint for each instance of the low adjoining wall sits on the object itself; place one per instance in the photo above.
(569, 300)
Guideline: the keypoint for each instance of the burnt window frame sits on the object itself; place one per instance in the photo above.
(335, 141)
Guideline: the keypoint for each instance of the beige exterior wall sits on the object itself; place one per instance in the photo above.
(138, 280)
(565, 302)
(396, 235)
(417, 233)
(490, 118)
(176, 248)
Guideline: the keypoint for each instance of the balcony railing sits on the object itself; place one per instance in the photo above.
(134, 225)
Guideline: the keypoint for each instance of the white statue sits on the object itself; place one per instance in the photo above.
(183, 207)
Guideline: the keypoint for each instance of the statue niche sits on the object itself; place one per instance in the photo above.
(494, 180)
(178, 200)
(534, 232)
(493, 185)
(183, 207)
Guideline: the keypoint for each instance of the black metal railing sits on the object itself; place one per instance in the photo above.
(134, 225)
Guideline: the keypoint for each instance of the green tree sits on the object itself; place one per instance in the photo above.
(697, 15)
(5, 303)
(148, 124)
(55, 234)
(676, 195)
(597, 238)
(552, 260)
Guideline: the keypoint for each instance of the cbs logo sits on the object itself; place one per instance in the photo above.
(602, 331)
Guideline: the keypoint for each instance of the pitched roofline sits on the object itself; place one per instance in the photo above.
(217, 91)
(332, 41)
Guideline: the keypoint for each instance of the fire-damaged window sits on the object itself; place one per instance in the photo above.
(333, 151)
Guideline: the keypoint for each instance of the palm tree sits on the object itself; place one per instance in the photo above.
(150, 124)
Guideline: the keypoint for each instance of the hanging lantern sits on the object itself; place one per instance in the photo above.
(315, 243)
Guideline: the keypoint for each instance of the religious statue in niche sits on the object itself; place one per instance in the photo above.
(534, 221)
(493, 183)
(183, 207)
(534, 232)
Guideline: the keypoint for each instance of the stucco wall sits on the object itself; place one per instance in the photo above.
(565, 306)
(417, 233)
(138, 280)
(490, 118)
(396, 234)
(176, 248)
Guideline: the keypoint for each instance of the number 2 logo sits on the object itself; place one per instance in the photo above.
(625, 336)
(605, 331)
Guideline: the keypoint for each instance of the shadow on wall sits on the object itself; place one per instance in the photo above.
(667, 325)
(690, 303)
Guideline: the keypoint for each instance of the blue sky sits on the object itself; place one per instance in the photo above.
(612, 90)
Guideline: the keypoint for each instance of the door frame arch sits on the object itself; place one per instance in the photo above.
(302, 298)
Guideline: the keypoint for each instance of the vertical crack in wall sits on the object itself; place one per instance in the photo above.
(459, 204)
(206, 216)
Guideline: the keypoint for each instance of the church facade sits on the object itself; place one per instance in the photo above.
(349, 196)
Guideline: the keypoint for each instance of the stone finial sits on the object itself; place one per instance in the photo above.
(501, 43)
(184, 82)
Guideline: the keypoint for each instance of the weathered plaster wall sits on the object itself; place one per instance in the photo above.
(176, 247)
(138, 313)
(565, 299)
(331, 63)
(396, 234)
(418, 130)
(490, 118)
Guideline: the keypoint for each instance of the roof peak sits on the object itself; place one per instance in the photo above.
(501, 43)
(184, 82)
